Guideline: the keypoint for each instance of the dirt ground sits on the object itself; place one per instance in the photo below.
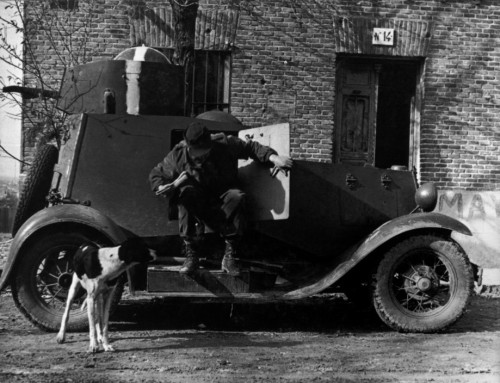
(321, 340)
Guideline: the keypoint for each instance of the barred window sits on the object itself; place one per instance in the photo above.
(211, 80)
(214, 37)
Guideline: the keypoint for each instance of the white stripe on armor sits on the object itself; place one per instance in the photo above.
(140, 53)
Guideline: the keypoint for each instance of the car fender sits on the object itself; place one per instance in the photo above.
(55, 215)
(391, 229)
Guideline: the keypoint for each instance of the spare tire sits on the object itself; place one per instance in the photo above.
(36, 185)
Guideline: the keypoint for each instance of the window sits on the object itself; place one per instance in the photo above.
(211, 80)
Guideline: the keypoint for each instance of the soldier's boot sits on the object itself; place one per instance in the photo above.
(191, 262)
(230, 262)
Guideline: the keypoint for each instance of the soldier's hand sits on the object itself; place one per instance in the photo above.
(282, 162)
(165, 190)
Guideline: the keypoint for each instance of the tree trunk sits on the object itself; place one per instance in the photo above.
(184, 20)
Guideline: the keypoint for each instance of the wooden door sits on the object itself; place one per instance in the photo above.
(356, 113)
(377, 112)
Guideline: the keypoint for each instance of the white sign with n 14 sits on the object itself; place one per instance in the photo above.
(383, 36)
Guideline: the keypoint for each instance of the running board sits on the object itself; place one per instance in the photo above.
(167, 279)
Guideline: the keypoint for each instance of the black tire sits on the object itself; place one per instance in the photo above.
(42, 277)
(423, 284)
(36, 185)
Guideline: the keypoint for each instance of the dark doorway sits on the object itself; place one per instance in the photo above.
(396, 97)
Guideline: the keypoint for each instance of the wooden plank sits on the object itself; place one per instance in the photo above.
(161, 26)
(142, 28)
(133, 33)
(200, 28)
(156, 29)
(354, 36)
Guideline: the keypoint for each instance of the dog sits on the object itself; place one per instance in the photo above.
(94, 269)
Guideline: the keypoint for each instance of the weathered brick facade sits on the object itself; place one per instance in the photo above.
(460, 119)
(284, 68)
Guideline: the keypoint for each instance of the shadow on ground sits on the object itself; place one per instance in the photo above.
(323, 315)
(320, 315)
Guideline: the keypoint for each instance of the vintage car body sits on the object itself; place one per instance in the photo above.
(322, 227)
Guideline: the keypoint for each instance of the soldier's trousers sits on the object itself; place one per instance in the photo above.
(225, 215)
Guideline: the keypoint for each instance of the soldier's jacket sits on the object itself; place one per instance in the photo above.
(215, 173)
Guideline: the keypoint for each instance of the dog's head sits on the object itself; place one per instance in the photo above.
(135, 250)
(86, 261)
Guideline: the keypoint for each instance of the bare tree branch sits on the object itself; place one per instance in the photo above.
(52, 41)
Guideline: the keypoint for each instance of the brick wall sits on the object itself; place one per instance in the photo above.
(96, 30)
(286, 52)
(460, 126)
(284, 69)
(461, 120)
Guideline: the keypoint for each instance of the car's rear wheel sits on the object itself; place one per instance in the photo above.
(42, 277)
(423, 284)
(36, 185)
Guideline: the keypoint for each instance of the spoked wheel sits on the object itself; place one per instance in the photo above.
(423, 284)
(43, 277)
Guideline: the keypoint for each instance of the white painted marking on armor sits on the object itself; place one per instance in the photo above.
(140, 53)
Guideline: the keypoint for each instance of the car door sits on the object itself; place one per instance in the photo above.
(269, 196)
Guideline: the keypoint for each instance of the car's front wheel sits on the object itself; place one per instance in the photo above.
(43, 275)
(423, 284)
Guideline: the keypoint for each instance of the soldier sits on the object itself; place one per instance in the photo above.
(200, 175)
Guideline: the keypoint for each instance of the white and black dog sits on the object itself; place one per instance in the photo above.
(94, 268)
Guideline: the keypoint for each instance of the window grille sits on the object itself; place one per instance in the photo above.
(211, 80)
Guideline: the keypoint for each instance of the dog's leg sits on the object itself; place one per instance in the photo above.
(108, 296)
(61, 335)
(91, 309)
(98, 316)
